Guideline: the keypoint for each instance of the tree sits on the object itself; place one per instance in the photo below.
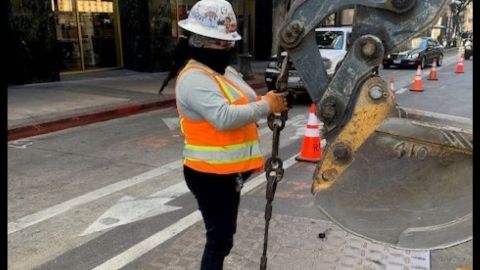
(457, 8)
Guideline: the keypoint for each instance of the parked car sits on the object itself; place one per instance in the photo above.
(332, 44)
(421, 52)
(468, 44)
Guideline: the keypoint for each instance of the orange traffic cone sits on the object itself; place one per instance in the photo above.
(311, 149)
(433, 72)
(391, 82)
(417, 84)
(459, 68)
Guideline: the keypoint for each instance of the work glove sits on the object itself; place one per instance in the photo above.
(277, 102)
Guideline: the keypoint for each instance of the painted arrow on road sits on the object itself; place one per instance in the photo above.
(173, 123)
(130, 209)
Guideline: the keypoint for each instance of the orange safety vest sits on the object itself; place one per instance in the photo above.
(210, 150)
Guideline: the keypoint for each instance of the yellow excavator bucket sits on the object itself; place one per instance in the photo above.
(399, 176)
(392, 175)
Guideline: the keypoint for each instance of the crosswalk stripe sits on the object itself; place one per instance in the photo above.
(60, 208)
(164, 235)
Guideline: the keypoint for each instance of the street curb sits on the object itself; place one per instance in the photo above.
(80, 120)
(35, 129)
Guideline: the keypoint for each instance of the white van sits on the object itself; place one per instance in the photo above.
(333, 43)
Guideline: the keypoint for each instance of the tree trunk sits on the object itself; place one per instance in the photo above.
(456, 12)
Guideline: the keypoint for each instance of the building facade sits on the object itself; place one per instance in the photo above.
(49, 37)
(467, 19)
(444, 32)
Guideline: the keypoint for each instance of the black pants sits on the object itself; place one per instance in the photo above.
(218, 202)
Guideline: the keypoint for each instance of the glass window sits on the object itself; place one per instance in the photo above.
(330, 39)
(67, 35)
(94, 23)
(419, 43)
(181, 8)
(98, 35)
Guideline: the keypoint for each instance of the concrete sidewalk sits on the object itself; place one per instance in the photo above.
(86, 98)
(294, 239)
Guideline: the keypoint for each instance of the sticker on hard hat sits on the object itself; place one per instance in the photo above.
(212, 18)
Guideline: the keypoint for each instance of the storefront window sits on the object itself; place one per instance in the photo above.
(92, 22)
(180, 12)
(98, 39)
(67, 35)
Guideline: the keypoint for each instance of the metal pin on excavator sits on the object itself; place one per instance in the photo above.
(394, 175)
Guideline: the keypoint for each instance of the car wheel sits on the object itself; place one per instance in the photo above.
(467, 56)
(385, 66)
(439, 60)
(422, 63)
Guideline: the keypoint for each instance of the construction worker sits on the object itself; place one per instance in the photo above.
(218, 114)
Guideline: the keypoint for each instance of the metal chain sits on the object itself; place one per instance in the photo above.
(274, 165)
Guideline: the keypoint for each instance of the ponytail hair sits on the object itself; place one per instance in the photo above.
(181, 54)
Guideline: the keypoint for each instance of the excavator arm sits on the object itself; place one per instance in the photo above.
(379, 26)
(390, 174)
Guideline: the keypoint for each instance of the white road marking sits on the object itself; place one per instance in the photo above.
(20, 145)
(293, 121)
(263, 131)
(299, 134)
(262, 121)
(55, 210)
(129, 209)
(259, 179)
(47, 213)
(401, 91)
(150, 243)
(164, 235)
(172, 123)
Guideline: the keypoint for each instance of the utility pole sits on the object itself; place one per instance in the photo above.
(246, 57)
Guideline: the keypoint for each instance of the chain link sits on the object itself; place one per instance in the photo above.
(274, 165)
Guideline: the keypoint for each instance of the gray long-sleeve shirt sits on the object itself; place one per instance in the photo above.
(200, 98)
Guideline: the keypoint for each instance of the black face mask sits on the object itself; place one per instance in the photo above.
(218, 60)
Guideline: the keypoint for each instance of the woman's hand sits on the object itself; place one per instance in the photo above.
(277, 102)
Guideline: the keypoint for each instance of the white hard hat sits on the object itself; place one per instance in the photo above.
(212, 18)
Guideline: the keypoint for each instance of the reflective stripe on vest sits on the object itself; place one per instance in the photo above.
(231, 92)
(223, 152)
(222, 155)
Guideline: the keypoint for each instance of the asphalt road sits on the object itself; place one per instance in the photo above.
(80, 197)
